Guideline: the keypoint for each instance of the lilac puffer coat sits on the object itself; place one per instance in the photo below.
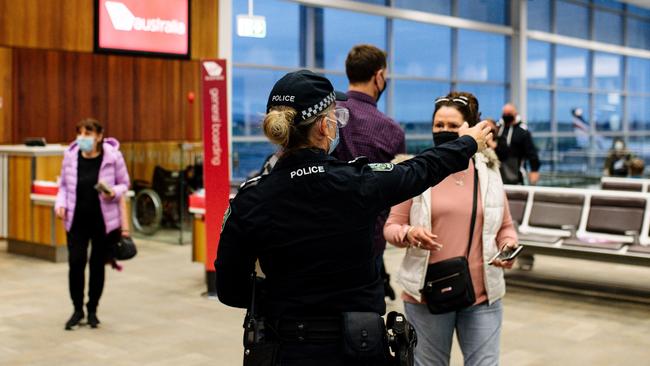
(112, 172)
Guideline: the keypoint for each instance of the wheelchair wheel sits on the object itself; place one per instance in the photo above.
(147, 211)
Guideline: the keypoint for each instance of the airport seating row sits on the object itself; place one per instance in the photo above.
(605, 225)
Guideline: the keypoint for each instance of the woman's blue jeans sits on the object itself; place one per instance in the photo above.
(477, 327)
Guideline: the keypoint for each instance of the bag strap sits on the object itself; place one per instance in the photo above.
(474, 203)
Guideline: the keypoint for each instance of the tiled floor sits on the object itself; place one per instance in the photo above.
(153, 314)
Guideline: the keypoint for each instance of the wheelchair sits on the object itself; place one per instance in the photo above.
(158, 204)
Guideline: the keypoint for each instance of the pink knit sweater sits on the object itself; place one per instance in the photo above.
(451, 210)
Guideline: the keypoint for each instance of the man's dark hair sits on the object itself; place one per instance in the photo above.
(363, 62)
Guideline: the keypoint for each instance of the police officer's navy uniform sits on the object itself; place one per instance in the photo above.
(310, 224)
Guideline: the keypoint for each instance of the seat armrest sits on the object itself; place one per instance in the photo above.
(572, 229)
(635, 236)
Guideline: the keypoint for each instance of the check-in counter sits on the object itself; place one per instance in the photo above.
(197, 209)
(27, 219)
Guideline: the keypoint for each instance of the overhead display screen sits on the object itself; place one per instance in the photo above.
(156, 27)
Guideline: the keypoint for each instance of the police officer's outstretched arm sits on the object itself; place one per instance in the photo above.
(414, 176)
(235, 263)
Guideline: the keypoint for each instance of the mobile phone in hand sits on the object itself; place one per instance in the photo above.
(101, 187)
(507, 254)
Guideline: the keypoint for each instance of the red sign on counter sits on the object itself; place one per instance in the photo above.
(216, 165)
(149, 26)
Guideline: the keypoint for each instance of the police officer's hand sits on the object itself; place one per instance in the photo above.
(422, 238)
(480, 133)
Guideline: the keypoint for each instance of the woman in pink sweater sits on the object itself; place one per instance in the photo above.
(442, 228)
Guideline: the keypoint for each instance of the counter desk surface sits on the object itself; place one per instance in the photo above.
(29, 226)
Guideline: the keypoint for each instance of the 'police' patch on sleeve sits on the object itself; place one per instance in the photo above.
(381, 167)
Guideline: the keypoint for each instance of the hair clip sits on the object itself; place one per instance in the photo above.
(441, 99)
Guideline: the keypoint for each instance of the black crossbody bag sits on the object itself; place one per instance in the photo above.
(448, 284)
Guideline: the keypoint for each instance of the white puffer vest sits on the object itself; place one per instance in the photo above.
(414, 265)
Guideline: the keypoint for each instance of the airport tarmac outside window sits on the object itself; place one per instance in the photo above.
(565, 103)
(608, 111)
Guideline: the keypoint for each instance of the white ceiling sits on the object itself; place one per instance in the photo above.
(643, 3)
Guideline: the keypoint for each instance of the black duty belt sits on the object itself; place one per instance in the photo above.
(313, 330)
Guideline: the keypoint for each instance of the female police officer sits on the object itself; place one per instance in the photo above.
(309, 223)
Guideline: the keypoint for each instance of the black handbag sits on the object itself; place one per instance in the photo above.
(448, 284)
(124, 248)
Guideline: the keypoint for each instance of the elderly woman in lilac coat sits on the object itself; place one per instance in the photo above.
(90, 216)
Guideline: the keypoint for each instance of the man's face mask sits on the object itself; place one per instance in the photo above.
(507, 118)
(381, 91)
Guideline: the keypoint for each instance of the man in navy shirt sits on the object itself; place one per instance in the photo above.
(369, 132)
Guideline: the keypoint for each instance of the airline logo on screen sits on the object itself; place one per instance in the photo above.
(123, 19)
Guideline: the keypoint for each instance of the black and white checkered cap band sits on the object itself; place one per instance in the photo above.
(319, 107)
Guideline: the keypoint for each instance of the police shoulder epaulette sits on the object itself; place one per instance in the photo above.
(381, 167)
(523, 126)
(360, 161)
(250, 183)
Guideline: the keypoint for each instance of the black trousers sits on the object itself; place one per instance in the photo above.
(78, 240)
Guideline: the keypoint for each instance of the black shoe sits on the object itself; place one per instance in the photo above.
(92, 320)
(76, 317)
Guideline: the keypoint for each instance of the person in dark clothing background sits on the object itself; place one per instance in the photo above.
(90, 216)
(514, 147)
(369, 132)
(618, 159)
(309, 223)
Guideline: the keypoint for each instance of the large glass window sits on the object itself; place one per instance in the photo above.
(638, 75)
(538, 64)
(491, 98)
(565, 105)
(539, 15)
(608, 27)
(248, 157)
(572, 19)
(251, 89)
(431, 6)
(638, 33)
(608, 112)
(481, 56)
(493, 11)
(421, 49)
(638, 109)
(539, 110)
(571, 67)
(413, 103)
(345, 29)
(280, 47)
(608, 71)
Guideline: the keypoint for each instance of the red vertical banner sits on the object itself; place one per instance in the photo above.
(216, 170)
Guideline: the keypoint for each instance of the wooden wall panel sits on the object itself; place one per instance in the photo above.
(205, 21)
(51, 24)
(5, 94)
(48, 167)
(137, 99)
(20, 210)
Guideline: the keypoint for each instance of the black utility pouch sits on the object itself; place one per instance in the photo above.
(261, 354)
(364, 337)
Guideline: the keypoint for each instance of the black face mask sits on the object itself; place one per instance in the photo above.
(507, 118)
(380, 92)
(440, 138)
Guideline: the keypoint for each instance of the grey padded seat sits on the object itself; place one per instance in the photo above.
(621, 186)
(612, 215)
(552, 211)
(517, 204)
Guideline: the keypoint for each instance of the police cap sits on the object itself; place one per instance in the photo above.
(307, 92)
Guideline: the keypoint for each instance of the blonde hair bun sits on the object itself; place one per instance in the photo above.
(277, 124)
